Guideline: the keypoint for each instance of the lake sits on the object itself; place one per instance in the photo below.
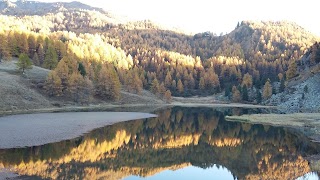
(181, 143)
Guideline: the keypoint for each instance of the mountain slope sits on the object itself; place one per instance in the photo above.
(30, 8)
(162, 61)
(302, 91)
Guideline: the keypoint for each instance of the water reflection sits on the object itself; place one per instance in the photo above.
(179, 138)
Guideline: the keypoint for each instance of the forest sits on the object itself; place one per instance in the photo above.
(92, 55)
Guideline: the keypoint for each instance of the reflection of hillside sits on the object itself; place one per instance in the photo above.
(177, 138)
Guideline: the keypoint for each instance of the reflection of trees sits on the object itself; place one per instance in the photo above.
(178, 136)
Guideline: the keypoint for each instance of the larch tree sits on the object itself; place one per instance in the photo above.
(35, 59)
(247, 80)
(236, 96)
(180, 87)
(76, 85)
(32, 43)
(108, 84)
(41, 54)
(64, 73)
(51, 58)
(24, 63)
(202, 84)
(292, 70)
(4, 48)
(267, 90)
(245, 96)
(167, 96)
(53, 85)
(155, 87)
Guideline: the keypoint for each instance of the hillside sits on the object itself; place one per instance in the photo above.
(95, 55)
(302, 91)
(21, 92)
(30, 8)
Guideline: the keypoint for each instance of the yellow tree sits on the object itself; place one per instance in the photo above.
(75, 84)
(236, 96)
(167, 96)
(53, 85)
(202, 84)
(247, 80)
(4, 48)
(51, 58)
(168, 80)
(267, 90)
(155, 87)
(108, 84)
(64, 73)
(180, 86)
(292, 70)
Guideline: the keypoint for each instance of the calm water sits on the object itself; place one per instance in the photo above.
(182, 143)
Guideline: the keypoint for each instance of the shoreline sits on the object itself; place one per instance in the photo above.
(307, 123)
(26, 130)
(139, 107)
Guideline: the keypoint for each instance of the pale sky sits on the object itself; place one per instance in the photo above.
(215, 16)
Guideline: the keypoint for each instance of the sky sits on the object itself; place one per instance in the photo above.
(218, 17)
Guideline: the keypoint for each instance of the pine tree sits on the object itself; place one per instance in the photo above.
(24, 63)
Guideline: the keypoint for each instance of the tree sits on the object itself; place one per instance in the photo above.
(63, 73)
(41, 54)
(168, 80)
(180, 86)
(236, 96)
(245, 96)
(167, 96)
(292, 70)
(247, 80)
(35, 59)
(202, 84)
(82, 69)
(259, 97)
(108, 84)
(51, 58)
(53, 85)
(267, 90)
(162, 90)
(32, 42)
(282, 85)
(24, 63)
(4, 48)
(76, 85)
(155, 87)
